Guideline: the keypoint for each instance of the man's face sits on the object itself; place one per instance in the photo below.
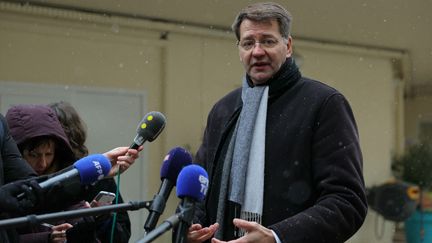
(262, 60)
(40, 158)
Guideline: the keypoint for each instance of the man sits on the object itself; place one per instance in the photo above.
(282, 152)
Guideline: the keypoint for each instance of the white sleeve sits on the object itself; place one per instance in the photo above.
(276, 237)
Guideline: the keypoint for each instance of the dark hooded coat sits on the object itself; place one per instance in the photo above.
(27, 122)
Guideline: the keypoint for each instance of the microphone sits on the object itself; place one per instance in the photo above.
(88, 170)
(173, 163)
(149, 128)
(192, 185)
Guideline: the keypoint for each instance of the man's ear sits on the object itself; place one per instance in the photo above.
(289, 47)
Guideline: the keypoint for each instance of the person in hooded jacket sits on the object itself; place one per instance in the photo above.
(17, 176)
(40, 138)
(45, 146)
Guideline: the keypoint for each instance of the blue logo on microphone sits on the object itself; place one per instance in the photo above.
(98, 168)
(204, 184)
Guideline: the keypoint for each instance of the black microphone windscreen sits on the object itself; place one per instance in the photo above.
(151, 126)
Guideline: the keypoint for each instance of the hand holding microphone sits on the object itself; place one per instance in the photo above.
(148, 129)
(121, 158)
(10, 203)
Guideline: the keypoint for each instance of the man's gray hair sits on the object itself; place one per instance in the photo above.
(264, 12)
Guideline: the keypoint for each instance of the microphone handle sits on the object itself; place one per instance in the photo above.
(134, 146)
(53, 180)
(186, 216)
(168, 224)
(158, 205)
(59, 178)
(138, 141)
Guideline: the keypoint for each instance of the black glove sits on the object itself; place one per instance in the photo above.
(9, 203)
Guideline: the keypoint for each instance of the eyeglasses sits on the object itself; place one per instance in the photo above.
(248, 44)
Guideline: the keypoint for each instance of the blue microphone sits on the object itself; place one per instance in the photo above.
(88, 170)
(173, 163)
(192, 185)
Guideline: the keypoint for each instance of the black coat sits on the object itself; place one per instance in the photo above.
(12, 168)
(313, 183)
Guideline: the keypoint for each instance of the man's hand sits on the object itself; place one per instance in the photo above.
(255, 233)
(198, 234)
(121, 159)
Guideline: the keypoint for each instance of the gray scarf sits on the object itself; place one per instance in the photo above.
(243, 169)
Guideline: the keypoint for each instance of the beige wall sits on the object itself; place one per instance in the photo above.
(185, 73)
(199, 71)
(418, 110)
